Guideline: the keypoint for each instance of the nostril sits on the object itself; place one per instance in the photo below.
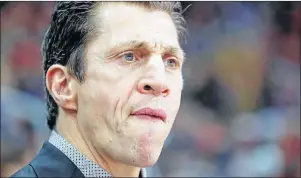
(166, 91)
(147, 87)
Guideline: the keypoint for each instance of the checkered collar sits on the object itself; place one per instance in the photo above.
(86, 166)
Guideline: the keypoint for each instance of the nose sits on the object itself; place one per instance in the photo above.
(154, 81)
(153, 86)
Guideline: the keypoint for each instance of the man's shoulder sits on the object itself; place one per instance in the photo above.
(26, 171)
(50, 162)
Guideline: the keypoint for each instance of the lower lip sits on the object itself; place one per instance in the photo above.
(147, 117)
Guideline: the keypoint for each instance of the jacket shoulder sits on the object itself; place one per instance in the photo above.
(50, 162)
(26, 171)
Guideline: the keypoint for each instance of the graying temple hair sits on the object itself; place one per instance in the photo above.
(71, 27)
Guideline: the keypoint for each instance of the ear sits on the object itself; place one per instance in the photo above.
(62, 87)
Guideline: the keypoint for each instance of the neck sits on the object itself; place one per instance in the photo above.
(68, 128)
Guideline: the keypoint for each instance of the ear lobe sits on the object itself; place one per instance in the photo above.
(61, 86)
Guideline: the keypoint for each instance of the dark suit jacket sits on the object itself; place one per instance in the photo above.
(50, 162)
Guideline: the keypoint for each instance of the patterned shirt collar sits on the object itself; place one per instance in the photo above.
(86, 166)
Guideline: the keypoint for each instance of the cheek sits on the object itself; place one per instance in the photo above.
(90, 113)
(105, 92)
(94, 99)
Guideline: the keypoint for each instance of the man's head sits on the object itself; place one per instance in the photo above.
(104, 62)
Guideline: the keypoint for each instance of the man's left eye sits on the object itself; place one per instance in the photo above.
(129, 57)
(172, 63)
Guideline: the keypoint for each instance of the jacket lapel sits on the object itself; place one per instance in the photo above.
(51, 162)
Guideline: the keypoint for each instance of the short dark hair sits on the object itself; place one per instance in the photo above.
(70, 29)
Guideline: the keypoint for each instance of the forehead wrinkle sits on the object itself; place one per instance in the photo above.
(165, 48)
(124, 44)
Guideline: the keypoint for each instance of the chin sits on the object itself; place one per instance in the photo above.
(146, 163)
(143, 159)
(149, 163)
(148, 158)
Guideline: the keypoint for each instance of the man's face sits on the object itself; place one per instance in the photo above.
(134, 63)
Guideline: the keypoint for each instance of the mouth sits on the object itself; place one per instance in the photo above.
(150, 114)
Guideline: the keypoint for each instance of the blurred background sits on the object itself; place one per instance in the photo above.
(240, 111)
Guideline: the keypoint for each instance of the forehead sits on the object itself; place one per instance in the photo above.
(119, 23)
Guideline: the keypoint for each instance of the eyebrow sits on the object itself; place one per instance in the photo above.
(134, 44)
